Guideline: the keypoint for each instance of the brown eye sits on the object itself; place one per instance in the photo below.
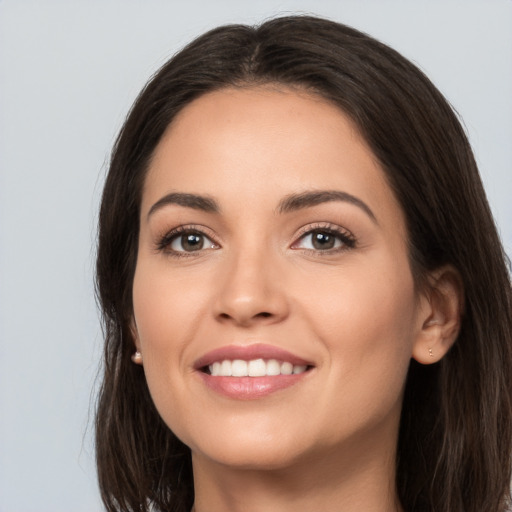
(190, 242)
(320, 240)
(323, 240)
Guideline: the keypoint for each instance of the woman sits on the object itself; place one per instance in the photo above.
(306, 303)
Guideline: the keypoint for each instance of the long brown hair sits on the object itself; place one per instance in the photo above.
(455, 439)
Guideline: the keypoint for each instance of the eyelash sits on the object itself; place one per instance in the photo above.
(163, 244)
(347, 239)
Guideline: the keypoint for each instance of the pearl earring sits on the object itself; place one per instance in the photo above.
(430, 353)
(137, 357)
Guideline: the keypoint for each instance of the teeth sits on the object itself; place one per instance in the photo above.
(215, 369)
(239, 368)
(286, 369)
(257, 368)
(273, 367)
(254, 368)
(225, 368)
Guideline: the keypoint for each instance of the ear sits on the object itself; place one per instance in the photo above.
(440, 315)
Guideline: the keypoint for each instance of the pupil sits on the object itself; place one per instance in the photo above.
(323, 240)
(192, 242)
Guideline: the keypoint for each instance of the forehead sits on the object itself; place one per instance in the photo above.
(258, 144)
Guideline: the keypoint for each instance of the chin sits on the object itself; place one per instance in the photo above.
(249, 448)
(256, 457)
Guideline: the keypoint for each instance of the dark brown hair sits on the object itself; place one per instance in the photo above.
(455, 440)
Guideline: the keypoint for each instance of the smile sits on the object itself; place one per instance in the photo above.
(251, 372)
(254, 368)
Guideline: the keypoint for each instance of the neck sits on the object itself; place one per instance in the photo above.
(330, 482)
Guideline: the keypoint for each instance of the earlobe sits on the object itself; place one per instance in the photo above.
(440, 316)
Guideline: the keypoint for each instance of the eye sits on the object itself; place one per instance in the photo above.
(185, 240)
(325, 239)
(189, 242)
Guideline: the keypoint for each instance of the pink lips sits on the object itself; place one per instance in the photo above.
(249, 388)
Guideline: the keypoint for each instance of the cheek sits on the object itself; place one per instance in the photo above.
(366, 323)
(359, 300)
(167, 309)
(166, 305)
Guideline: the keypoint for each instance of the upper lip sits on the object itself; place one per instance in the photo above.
(248, 353)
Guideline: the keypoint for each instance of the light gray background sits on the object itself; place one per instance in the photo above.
(68, 74)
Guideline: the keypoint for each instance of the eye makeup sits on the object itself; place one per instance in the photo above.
(317, 238)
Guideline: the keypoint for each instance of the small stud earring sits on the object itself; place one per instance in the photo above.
(137, 357)
(430, 353)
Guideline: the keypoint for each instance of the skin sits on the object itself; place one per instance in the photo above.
(329, 441)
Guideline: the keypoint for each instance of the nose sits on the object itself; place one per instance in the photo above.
(251, 292)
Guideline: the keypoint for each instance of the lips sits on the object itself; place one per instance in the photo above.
(250, 372)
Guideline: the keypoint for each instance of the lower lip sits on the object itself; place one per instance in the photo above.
(250, 388)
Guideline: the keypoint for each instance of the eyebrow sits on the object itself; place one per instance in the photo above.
(295, 202)
(290, 203)
(197, 202)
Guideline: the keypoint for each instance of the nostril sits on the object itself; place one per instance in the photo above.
(264, 314)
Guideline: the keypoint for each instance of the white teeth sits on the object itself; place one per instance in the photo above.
(257, 368)
(254, 368)
(286, 368)
(273, 367)
(225, 368)
(215, 369)
(239, 368)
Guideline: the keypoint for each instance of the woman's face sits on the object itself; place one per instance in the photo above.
(274, 304)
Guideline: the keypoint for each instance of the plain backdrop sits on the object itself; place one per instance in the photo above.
(69, 72)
